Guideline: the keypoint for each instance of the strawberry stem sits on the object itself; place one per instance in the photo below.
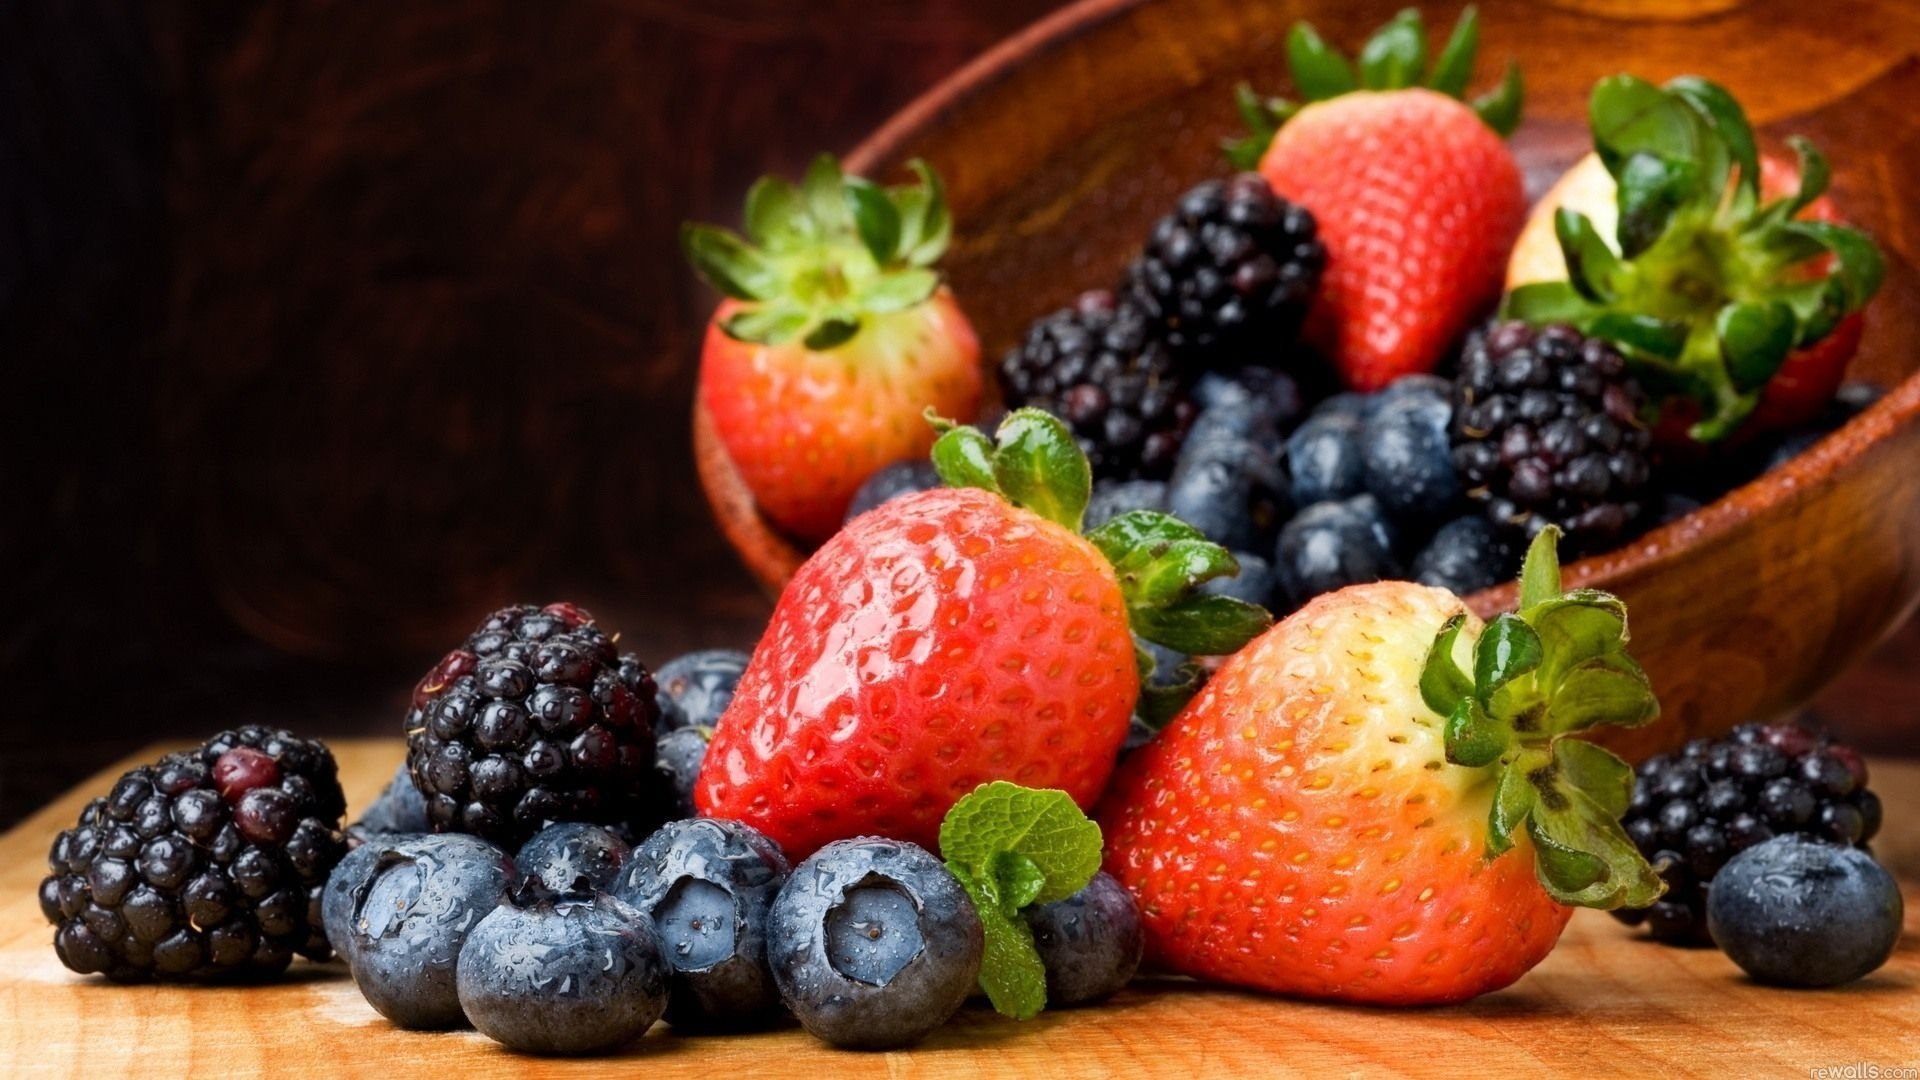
(1540, 676)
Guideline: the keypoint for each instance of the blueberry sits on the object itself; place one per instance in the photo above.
(1323, 456)
(678, 757)
(698, 687)
(1431, 388)
(399, 809)
(572, 857)
(874, 944)
(1111, 498)
(1351, 405)
(1255, 583)
(347, 886)
(708, 885)
(1139, 734)
(572, 975)
(1406, 455)
(1228, 487)
(1674, 506)
(410, 918)
(1273, 393)
(1465, 555)
(1800, 912)
(1090, 942)
(891, 482)
(1333, 545)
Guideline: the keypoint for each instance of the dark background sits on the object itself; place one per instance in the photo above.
(327, 327)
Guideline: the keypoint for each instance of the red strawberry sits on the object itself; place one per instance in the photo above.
(1724, 276)
(1344, 813)
(951, 638)
(835, 337)
(1417, 198)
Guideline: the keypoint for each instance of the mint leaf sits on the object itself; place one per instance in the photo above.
(1011, 847)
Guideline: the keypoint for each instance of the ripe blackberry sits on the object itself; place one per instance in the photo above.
(1547, 430)
(1694, 810)
(533, 719)
(207, 864)
(1234, 266)
(1096, 366)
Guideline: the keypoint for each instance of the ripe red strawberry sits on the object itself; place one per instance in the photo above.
(1724, 276)
(959, 636)
(1343, 812)
(1417, 198)
(835, 336)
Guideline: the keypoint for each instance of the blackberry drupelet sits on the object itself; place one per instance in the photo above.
(534, 719)
(1097, 366)
(1694, 810)
(1547, 430)
(1231, 270)
(208, 864)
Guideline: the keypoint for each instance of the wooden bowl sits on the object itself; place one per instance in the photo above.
(1061, 146)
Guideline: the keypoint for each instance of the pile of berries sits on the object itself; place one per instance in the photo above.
(1694, 810)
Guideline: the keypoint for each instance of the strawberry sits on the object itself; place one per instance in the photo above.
(834, 335)
(1343, 812)
(958, 636)
(1416, 195)
(1724, 277)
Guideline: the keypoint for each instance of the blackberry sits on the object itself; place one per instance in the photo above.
(1096, 366)
(534, 719)
(1694, 810)
(1547, 430)
(207, 865)
(1232, 269)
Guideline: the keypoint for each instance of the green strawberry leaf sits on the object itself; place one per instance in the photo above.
(1011, 847)
(1263, 117)
(1396, 55)
(728, 263)
(825, 254)
(1443, 686)
(1639, 335)
(962, 456)
(1162, 698)
(1592, 267)
(1546, 302)
(1500, 107)
(1859, 267)
(1729, 123)
(1202, 624)
(875, 217)
(1039, 466)
(1651, 190)
(776, 216)
(1556, 668)
(1455, 66)
(1755, 338)
(1319, 71)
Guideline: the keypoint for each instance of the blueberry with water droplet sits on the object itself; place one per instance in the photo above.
(698, 687)
(410, 917)
(1796, 911)
(874, 944)
(562, 975)
(708, 884)
(573, 857)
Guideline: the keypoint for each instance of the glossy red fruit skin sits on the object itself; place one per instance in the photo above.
(1296, 830)
(806, 428)
(1418, 203)
(941, 641)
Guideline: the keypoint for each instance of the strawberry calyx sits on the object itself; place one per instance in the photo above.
(1537, 678)
(820, 257)
(1033, 462)
(1704, 287)
(1394, 58)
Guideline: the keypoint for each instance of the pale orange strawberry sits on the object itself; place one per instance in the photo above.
(835, 337)
(1312, 824)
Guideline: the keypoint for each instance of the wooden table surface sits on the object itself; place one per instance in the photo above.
(1605, 1002)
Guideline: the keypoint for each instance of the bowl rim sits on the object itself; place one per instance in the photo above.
(1705, 527)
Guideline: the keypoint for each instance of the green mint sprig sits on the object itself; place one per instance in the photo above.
(1012, 847)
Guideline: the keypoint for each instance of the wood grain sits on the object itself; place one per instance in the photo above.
(1742, 610)
(1604, 1003)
